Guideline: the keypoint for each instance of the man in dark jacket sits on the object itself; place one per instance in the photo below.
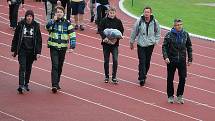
(27, 43)
(13, 11)
(176, 46)
(110, 46)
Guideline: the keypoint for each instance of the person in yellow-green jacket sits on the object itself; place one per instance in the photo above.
(61, 33)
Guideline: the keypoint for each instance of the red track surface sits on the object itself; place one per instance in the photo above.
(84, 96)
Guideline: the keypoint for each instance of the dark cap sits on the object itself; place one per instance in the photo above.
(29, 12)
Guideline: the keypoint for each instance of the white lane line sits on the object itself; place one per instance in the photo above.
(151, 104)
(12, 116)
(205, 105)
(94, 28)
(130, 70)
(80, 98)
(152, 63)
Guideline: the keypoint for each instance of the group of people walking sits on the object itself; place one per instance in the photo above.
(27, 44)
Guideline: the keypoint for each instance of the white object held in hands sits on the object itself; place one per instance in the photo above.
(112, 33)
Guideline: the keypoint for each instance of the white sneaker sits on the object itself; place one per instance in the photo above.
(171, 99)
(180, 99)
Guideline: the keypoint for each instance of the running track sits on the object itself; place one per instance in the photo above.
(84, 96)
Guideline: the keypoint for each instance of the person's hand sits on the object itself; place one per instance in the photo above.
(94, 5)
(189, 63)
(38, 55)
(9, 2)
(70, 50)
(22, 5)
(59, 3)
(55, 18)
(112, 41)
(131, 46)
(14, 54)
(167, 61)
(105, 40)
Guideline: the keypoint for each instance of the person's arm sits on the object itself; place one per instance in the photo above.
(9, 2)
(134, 32)
(50, 25)
(189, 49)
(72, 36)
(93, 1)
(39, 40)
(102, 28)
(23, 2)
(121, 28)
(158, 32)
(165, 48)
(15, 40)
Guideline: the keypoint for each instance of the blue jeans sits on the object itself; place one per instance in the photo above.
(107, 49)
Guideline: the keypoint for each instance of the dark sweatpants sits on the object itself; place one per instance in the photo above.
(57, 58)
(26, 59)
(13, 14)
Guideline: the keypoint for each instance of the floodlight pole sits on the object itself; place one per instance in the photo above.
(132, 3)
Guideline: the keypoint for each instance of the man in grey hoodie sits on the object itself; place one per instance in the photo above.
(147, 32)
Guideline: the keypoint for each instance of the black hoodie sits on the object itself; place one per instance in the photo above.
(18, 38)
(114, 23)
(102, 2)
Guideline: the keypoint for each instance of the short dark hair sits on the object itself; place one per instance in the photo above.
(59, 7)
(147, 7)
(177, 20)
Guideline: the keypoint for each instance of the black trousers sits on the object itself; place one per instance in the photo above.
(13, 14)
(182, 72)
(107, 49)
(101, 13)
(26, 59)
(57, 58)
(66, 3)
(144, 56)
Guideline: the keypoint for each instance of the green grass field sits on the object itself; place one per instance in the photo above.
(198, 19)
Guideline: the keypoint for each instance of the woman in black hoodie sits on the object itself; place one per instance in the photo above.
(111, 21)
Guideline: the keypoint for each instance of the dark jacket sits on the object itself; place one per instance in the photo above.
(52, 1)
(110, 23)
(175, 47)
(102, 2)
(17, 1)
(18, 38)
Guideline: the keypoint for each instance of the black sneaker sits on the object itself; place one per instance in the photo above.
(142, 82)
(92, 18)
(54, 89)
(76, 27)
(27, 88)
(58, 87)
(97, 32)
(106, 80)
(20, 89)
(81, 27)
(14, 28)
(114, 80)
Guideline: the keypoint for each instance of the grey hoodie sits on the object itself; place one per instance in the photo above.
(139, 33)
